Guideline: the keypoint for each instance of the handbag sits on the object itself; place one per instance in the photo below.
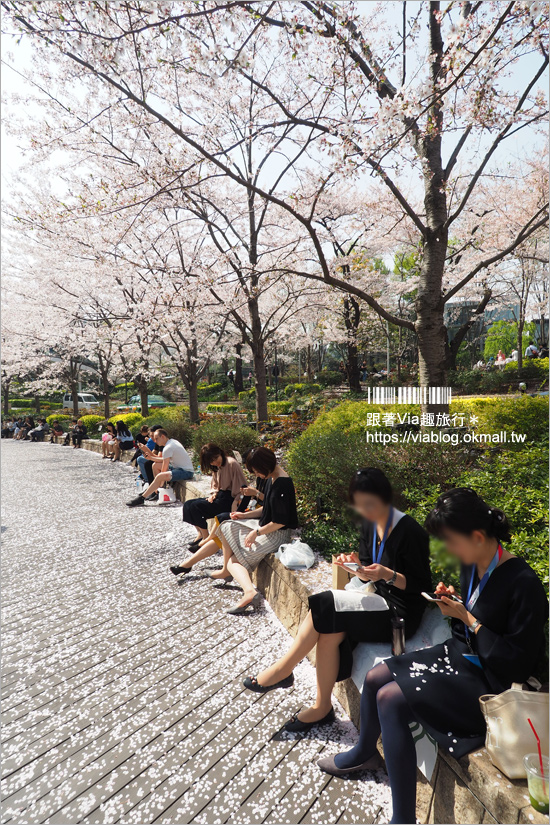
(509, 735)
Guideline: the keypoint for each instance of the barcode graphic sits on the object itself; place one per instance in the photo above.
(409, 395)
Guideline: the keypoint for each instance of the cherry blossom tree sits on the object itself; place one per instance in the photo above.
(427, 120)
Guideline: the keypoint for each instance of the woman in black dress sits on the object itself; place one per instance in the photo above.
(394, 557)
(497, 638)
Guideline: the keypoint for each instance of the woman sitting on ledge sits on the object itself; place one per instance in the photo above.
(225, 489)
(394, 555)
(247, 537)
(497, 638)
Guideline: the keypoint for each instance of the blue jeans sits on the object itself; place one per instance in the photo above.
(179, 474)
(141, 464)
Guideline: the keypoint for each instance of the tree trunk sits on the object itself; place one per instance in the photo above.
(37, 404)
(430, 327)
(74, 395)
(309, 365)
(521, 324)
(143, 397)
(260, 383)
(194, 413)
(6, 390)
(352, 315)
(239, 385)
(258, 354)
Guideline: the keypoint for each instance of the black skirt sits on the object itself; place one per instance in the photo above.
(196, 511)
(358, 625)
(442, 688)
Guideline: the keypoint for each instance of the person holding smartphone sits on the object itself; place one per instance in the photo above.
(394, 557)
(497, 639)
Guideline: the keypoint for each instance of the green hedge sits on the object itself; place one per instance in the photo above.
(323, 459)
(279, 407)
(246, 394)
(175, 420)
(206, 391)
(22, 403)
(222, 408)
(228, 436)
(92, 422)
(302, 389)
(58, 417)
(330, 378)
(132, 419)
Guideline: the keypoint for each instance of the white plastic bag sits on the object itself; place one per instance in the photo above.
(296, 556)
(167, 495)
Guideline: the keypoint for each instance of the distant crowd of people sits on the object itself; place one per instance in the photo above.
(531, 351)
(25, 429)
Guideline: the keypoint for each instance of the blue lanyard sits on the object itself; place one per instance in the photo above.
(472, 599)
(376, 557)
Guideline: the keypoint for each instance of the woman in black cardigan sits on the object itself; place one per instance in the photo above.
(394, 557)
(497, 639)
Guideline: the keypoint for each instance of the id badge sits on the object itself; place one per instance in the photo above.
(475, 660)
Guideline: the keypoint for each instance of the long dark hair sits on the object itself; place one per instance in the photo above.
(122, 429)
(371, 480)
(208, 453)
(462, 510)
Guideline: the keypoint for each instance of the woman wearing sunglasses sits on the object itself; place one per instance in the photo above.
(394, 557)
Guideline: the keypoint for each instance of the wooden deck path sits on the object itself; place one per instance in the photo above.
(122, 689)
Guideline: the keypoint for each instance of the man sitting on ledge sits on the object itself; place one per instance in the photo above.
(174, 464)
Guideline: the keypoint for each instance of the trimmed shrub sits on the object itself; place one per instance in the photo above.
(302, 389)
(130, 419)
(279, 407)
(61, 417)
(22, 403)
(329, 378)
(207, 391)
(227, 435)
(175, 421)
(92, 422)
(222, 408)
(246, 394)
(525, 414)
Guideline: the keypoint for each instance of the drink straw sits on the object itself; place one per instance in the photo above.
(540, 756)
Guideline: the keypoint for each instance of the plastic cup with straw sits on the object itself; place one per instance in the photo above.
(536, 768)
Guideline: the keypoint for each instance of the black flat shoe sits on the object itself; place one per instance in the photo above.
(296, 726)
(177, 571)
(251, 683)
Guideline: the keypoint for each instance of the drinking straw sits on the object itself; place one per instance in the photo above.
(540, 756)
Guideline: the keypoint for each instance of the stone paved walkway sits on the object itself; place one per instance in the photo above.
(122, 689)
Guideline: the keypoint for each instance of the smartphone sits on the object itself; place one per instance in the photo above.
(436, 597)
(352, 566)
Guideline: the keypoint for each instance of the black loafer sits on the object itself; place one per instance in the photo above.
(251, 683)
(296, 726)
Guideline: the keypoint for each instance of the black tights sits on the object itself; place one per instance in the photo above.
(384, 709)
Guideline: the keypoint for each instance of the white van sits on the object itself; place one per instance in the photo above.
(85, 400)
